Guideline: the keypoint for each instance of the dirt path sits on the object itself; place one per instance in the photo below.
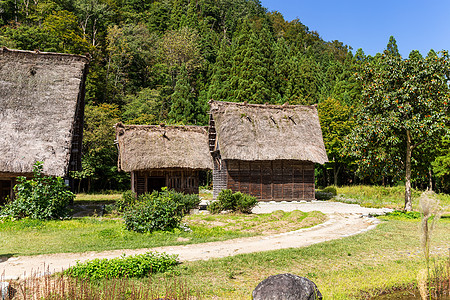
(344, 220)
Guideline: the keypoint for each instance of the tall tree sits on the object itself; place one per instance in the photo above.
(405, 103)
(336, 123)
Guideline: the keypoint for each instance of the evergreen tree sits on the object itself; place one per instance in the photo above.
(183, 108)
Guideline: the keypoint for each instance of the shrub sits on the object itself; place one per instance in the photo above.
(245, 203)
(185, 202)
(320, 195)
(237, 202)
(331, 190)
(140, 265)
(153, 212)
(127, 200)
(159, 211)
(42, 197)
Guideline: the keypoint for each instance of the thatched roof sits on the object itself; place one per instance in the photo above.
(40, 94)
(144, 147)
(254, 132)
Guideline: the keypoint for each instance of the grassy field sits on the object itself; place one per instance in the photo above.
(379, 196)
(82, 197)
(355, 267)
(32, 237)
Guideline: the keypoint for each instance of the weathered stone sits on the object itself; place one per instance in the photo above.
(286, 287)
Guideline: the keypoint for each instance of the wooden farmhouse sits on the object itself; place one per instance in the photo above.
(163, 156)
(41, 114)
(267, 151)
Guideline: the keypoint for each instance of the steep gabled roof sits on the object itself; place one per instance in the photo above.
(40, 96)
(254, 132)
(143, 147)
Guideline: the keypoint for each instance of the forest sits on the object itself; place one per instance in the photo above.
(384, 118)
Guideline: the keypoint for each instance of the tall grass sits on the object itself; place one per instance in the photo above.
(61, 287)
(431, 213)
(381, 196)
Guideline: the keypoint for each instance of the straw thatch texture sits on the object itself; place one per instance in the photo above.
(144, 147)
(40, 95)
(252, 132)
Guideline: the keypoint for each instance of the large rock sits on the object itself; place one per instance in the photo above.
(286, 287)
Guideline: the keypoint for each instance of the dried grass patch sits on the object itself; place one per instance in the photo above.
(263, 224)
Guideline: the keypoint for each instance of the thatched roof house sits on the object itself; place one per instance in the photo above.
(160, 156)
(41, 113)
(265, 150)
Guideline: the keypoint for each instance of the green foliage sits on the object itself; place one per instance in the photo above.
(234, 202)
(403, 114)
(128, 199)
(42, 197)
(140, 265)
(400, 214)
(322, 195)
(159, 211)
(162, 61)
(330, 189)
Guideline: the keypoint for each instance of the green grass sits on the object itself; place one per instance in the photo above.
(354, 267)
(379, 196)
(32, 237)
(108, 198)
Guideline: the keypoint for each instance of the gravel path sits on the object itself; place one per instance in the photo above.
(343, 220)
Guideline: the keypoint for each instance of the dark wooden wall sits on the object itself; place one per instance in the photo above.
(283, 180)
(180, 180)
(6, 188)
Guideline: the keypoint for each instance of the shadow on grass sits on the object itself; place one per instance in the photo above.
(5, 257)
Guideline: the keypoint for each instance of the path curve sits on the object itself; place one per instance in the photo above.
(343, 220)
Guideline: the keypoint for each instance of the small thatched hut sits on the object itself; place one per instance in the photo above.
(163, 156)
(41, 114)
(267, 151)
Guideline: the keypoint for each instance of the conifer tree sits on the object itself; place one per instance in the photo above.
(182, 109)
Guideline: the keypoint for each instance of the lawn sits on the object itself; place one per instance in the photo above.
(32, 237)
(360, 266)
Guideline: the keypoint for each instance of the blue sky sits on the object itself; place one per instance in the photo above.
(416, 24)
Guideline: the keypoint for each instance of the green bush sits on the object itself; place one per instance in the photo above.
(42, 197)
(140, 265)
(159, 211)
(185, 202)
(127, 200)
(330, 189)
(237, 202)
(320, 195)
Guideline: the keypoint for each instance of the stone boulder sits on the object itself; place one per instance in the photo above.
(286, 287)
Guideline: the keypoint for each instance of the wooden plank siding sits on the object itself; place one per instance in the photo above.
(181, 180)
(282, 180)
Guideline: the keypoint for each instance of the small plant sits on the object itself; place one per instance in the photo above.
(185, 202)
(431, 213)
(330, 189)
(42, 197)
(320, 195)
(237, 202)
(128, 199)
(140, 265)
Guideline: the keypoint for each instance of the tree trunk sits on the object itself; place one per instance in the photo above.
(336, 173)
(430, 177)
(408, 202)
